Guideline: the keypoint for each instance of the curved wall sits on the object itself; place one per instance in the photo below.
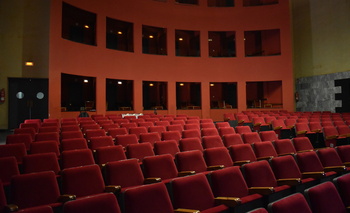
(98, 61)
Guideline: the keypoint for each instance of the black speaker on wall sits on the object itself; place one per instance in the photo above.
(344, 96)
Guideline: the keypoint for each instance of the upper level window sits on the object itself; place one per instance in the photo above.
(119, 94)
(262, 42)
(154, 40)
(222, 44)
(187, 1)
(221, 3)
(155, 95)
(247, 3)
(78, 92)
(187, 43)
(78, 25)
(119, 35)
(223, 95)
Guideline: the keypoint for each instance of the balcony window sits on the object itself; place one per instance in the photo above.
(154, 40)
(155, 95)
(187, 43)
(78, 25)
(248, 3)
(78, 93)
(119, 35)
(188, 95)
(262, 43)
(221, 3)
(264, 94)
(223, 95)
(222, 44)
(119, 94)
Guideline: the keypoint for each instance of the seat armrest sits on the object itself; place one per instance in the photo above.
(241, 162)
(289, 181)
(228, 201)
(347, 164)
(186, 211)
(316, 130)
(348, 209)
(315, 175)
(185, 173)
(113, 188)
(241, 121)
(335, 169)
(66, 197)
(345, 135)
(330, 137)
(265, 158)
(213, 168)
(11, 208)
(301, 132)
(290, 127)
(261, 190)
(284, 154)
(152, 180)
(308, 150)
(257, 124)
(277, 128)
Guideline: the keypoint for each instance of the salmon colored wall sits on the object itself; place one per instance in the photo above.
(80, 59)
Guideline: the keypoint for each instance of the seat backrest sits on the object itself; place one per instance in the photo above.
(251, 137)
(209, 131)
(315, 126)
(8, 169)
(139, 151)
(329, 157)
(48, 136)
(325, 198)
(229, 182)
(232, 139)
(147, 199)
(82, 181)
(285, 167)
(124, 173)
(94, 133)
(302, 144)
(212, 141)
(150, 137)
(27, 190)
(128, 125)
(284, 146)
(105, 202)
(217, 156)
(162, 123)
(292, 203)
(192, 126)
(117, 131)
(41, 162)
(268, 136)
(171, 135)
(207, 125)
(222, 124)
(226, 130)
(192, 192)
(49, 129)
(30, 131)
(161, 166)
(125, 140)
(109, 153)
(344, 153)
(138, 130)
(71, 134)
(243, 129)
(242, 152)
(190, 161)
(26, 139)
(188, 144)
(191, 133)
(45, 147)
(77, 157)
(96, 142)
(166, 147)
(309, 162)
(73, 143)
(259, 174)
(264, 149)
(278, 123)
(158, 129)
(18, 150)
(343, 186)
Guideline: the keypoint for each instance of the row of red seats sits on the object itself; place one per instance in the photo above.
(258, 177)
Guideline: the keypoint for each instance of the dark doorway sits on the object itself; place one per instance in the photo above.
(28, 99)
